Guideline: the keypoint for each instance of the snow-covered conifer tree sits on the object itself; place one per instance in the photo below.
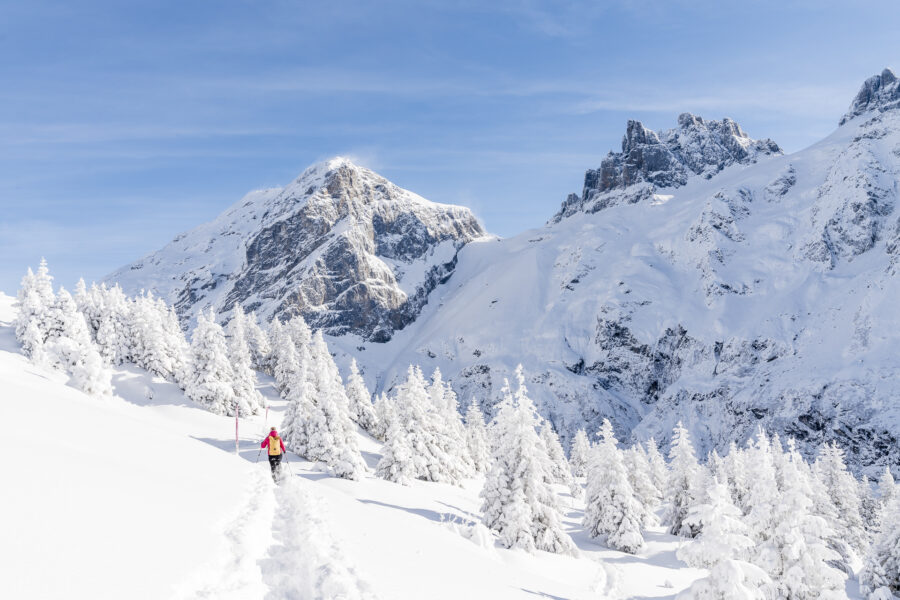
(580, 454)
(113, 337)
(611, 507)
(407, 447)
(682, 487)
(383, 416)
(447, 426)
(518, 504)
(210, 379)
(248, 397)
(260, 345)
(720, 547)
(558, 465)
(659, 470)
(331, 433)
(762, 494)
(477, 438)
(69, 345)
(736, 470)
(869, 507)
(792, 550)
(362, 411)
(843, 490)
(641, 479)
(880, 576)
(887, 488)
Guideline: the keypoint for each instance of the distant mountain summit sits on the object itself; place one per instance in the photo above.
(341, 245)
(879, 92)
(665, 159)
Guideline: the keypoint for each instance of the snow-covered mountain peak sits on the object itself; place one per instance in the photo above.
(340, 244)
(650, 161)
(880, 92)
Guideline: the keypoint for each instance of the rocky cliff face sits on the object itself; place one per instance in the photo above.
(701, 277)
(667, 159)
(350, 251)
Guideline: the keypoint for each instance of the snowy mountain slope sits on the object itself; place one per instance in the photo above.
(763, 295)
(166, 510)
(342, 245)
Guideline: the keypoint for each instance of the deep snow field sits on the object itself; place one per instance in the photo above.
(142, 496)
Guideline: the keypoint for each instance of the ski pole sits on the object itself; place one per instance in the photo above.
(258, 453)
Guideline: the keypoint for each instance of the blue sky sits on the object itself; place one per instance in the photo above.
(124, 123)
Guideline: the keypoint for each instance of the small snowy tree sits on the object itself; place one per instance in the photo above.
(384, 416)
(641, 479)
(447, 426)
(844, 493)
(332, 435)
(361, 409)
(721, 545)
(558, 465)
(611, 507)
(580, 454)
(259, 344)
(682, 489)
(477, 438)
(880, 577)
(210, 379)
(659, 471)
(518, 504)
(247, 396)
(887, 488)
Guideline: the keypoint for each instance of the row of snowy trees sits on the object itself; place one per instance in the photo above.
(100, 327)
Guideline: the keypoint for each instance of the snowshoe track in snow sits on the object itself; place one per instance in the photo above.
(305, 562)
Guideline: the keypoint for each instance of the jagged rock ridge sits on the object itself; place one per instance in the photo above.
(350, 251)
(697, 147)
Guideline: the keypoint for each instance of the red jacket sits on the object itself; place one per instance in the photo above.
(265, 442)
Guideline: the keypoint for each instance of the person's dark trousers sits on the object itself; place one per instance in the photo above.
(274, 462)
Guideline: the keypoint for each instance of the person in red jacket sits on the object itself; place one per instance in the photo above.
(276, 451)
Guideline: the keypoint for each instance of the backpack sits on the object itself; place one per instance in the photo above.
(274, 445)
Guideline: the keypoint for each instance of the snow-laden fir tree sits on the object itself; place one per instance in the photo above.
(580, 453)
(417, 444)
(408, 441)
(292, 376)
(683, 486)
(249, 400)
(869, 507)
(34, 302)
(611, 506)
(880, 576)
(113, 328)
(762, 495)
(736, 471)
(448, 428)
(362, 411)
(210, 379)
(659, 470)
(331, 434)
(477, 438)
(384, 416)
(558, 465)
(286, 361)
(518, 504)
(640, 476)
(70, 347)
(887, 488)
(721, 547)
(259, 344)
(793, 550)
(843, 490)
